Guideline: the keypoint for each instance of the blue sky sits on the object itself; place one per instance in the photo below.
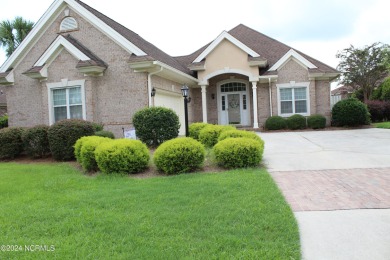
(178, 27)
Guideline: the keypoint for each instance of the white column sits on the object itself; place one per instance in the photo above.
(254, 92)
(204, 103)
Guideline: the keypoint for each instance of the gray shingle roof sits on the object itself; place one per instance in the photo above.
(137, 40)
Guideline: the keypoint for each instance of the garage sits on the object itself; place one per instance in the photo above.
(173, 101)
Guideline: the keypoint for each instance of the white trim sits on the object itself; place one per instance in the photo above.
(219, 39)
(255, 114)
(188, 78)
(292, 54)
(204, 103)
(227, 70)
(76, 7)
(294, 84)
(65, 84)
(56, 47)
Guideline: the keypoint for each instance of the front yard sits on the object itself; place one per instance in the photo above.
(385, 125)
(226, 215)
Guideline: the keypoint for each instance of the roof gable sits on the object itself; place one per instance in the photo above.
(55, 8)
(289, 55)
(225, 35)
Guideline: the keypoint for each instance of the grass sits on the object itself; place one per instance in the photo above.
(382, 125)
(236, 214)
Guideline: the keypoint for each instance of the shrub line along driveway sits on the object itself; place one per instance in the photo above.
(338, 185)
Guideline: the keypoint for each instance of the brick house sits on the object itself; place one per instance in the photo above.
(78, 63)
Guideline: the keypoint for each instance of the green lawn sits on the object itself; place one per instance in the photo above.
(382, 125)
(230, 215)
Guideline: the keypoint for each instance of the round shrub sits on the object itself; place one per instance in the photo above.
(97, 126)
(350, 112)
(87, 152)
(316, 121)
(238, 153)
(63, 136)
(122, 156)
(210, 134)
(3, 121)
(179, 155)
(11, 144)
(377, 109)
(104, 133)
(240, 134)
(275, 123)
(36, 142)
(195, 128)
(77, 148)
(295, 122)
(155, 125)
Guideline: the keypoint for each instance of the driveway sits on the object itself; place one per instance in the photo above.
(338, 185)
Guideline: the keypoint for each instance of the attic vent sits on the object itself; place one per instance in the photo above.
(68, 24)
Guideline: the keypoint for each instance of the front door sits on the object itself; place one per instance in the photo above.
(233, 107)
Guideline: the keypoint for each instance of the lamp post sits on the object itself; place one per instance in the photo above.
(184, 92)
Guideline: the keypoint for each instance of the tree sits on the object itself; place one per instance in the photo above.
(13, 32)
(364, 68)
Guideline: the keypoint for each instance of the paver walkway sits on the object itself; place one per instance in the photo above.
(335, 189)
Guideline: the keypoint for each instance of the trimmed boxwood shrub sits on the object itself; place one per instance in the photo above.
(36, 142)
(195, 128)
(77, 148)
(350, 112)
(104, 133)
(240, 134)
(316, 121)
(275, 123)
(97, 126)
(295, 122)
(3, 121)
(155, 125)
(122, 156)
(87, 151)
(210, 134)
(11, 144)
(238, 153)
(63, 136)
(179, 155)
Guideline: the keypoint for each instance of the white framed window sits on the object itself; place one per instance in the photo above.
(293, 98)
(66, 100)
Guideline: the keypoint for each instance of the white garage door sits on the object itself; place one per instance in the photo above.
(173, 101)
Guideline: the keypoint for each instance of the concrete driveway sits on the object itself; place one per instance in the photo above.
(338, 185)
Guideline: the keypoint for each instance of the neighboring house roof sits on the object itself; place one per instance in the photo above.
(267, 47)
(342, 90)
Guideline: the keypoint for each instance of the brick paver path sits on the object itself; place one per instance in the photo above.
(335, 189)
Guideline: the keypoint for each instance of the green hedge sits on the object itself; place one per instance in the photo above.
(155, 125)
(63, 136)
(195, 128)
(87, 152)
(316, 121)
(295, 122)
(11, 143)
(350, 112)
(209, 135)
(179, 155)
(36, 142)
(238, 153)
(275, 123)
(122, 156)
(3, 121)
(240, 134)
(104, 133)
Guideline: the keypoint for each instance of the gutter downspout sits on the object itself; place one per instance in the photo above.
(270, 95)
(150, 74)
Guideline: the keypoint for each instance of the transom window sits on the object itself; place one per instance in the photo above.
(293, 99)
(67, 103)
(233, 87)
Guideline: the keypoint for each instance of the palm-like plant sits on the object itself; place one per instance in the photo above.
(13, 32)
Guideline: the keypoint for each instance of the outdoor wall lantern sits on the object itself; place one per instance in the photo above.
(153, 93)
(185, 92)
